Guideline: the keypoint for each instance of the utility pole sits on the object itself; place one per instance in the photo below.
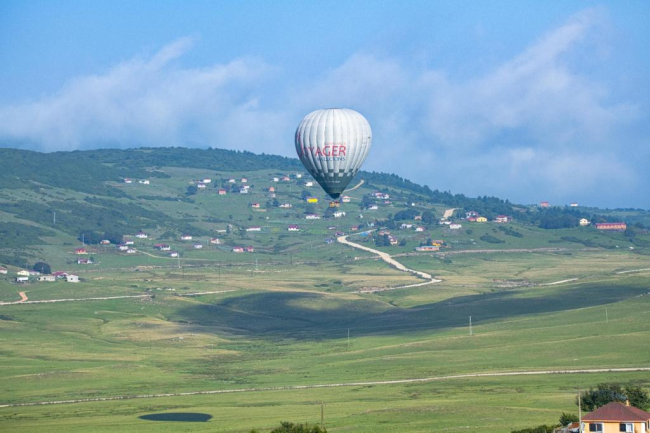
(322, 413)
(579, 413)
(470, 326)
(54, 218)
(83, 240)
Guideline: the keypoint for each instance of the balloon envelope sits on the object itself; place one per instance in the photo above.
(332, 144)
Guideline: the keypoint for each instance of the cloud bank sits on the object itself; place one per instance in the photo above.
(531, 128)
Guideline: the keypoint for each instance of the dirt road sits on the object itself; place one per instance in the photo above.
(448, 214)
(337, 385)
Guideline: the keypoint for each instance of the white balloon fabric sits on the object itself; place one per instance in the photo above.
(332, 144)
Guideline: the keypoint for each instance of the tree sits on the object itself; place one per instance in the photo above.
(568, 418)
(42, 267)
(191, 190)
(428, 217)
(289, 427)
(607, 393)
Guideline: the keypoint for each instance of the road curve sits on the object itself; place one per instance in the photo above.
(335, 385)
(387, 258)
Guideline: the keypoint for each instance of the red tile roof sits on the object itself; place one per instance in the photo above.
(616, 411)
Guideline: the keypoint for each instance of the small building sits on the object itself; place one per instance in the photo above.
(249, 249)
(286, 205)
(406, 226)
(47, 278)
(22, 280)
(275, 179)
(312, 200)
(3, 270)
(471, 219)
(131, 251)
(309, 183)
(339, 214)
(60, 274)
(272, 195)
(293, 228)
(186, 237)
(22, 273)
(221, 191)
(255, 205)
(105, 242)
(481, 219)
(122, 247)
(272, 188)
(254, 229)
(617, 227)
(162, 247)
(372, 207)
(471, 214)
(142, 235)
(584, 222)
(392, 240)
(354, 228)
(298, 175)
(419, 229)
(243, 190)
(312, 216)
(71, 278)
(502, 219)
(287, 179)
(173, 254)
(444, 223)
(216, 241)
(244, 180)
(427, 248)
(574, 204)
(417, 218)
(206, 180)
(144, 181)
(231, 180)
(80, 251)
(616, 417)
(128, 242)
(201, 186)
(544, 204)
(128, 180)
(455, 226)
(346, 199)
(197, 246)
(85, 261)
(237, 249)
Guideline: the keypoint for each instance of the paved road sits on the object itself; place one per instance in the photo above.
(336, 385)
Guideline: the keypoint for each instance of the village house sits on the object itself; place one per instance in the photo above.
(249, 249)
(381, 195)
(584, 222)
(312, 216)
(254, 229)
(131, 251)
(417, 218)
(419, 229)
(162, 247)
(574, 204)
(3, 270)
(455, 226)
(271, 189)
(142, 235)
(60, 274)
(105, 242)
(481, 219)
(80, 251)
(338, 214)
(85, 261)
(186, 237)
(309, 183)
(286, 179)
(197, 246)
(144, 181)
(406, 226)
(21, 280)
(173, 254)
(122, 247)
(617, 417)
(286, 205)
(471, 219)
(544, 204)
(243, 190)
(372, 207)
(128, 242)
(201, 186)
(47, 278)
(444, 223)
(293, 228)
(611, 226)
(298, 176)
(206, 180)
(346, 199)
(392, 240)
(255, 205)
(231, 180)
(275, 179)
(71, 278)
(502, 219)
(221, 191)
(471, 214)
(237, 249)
(244, 180)
(216, 241)
(312, 200)
(354, 228)
(127, 180)
(427, 248)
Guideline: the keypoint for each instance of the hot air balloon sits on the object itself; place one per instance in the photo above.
(332, 144)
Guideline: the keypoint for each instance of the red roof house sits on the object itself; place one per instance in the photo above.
(616, 417)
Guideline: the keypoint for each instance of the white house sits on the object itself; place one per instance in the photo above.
(127, 180)
(584, 222)
(406, 226)
(3, 270)
(255, 205)
(131, 251)
(206, 180)
(201, 186)
(128, 242)
(71, 278)
(173, 254)
(222, 191)
(455, 226)
(105, 242)
(215, 241)
(186, 237)
(22, 279)
(293, 228)
(309, 183)
(231, 180)
(298, 176)
(144, 181)
(275, 179)
(47, 278)
(197, 246)
(254, 229)
(122, 247)
(346, 199)
(244, 180)
(23, 273)
(286, 205)
(372, 207)
(243, 190)
(312, 216)
(237, 249)
(339, 214)
(419, 229)
(142, 235)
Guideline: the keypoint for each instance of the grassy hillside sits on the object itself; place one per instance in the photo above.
(540, 298)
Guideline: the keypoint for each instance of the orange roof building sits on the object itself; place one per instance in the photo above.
(617, 417)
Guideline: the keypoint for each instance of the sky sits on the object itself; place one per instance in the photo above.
(524, 100)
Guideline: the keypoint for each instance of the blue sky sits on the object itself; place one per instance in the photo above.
(524, 100)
